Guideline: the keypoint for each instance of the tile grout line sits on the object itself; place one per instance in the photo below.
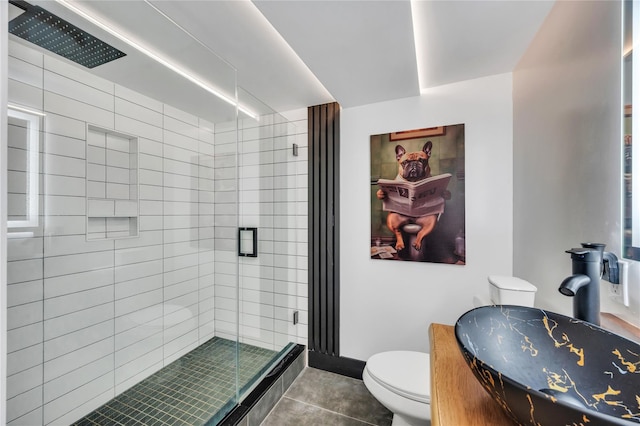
(270, 411)
(325, 409)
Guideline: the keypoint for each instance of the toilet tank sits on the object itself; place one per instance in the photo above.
(506, 290)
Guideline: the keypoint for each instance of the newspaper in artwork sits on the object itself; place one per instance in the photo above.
(415, 199)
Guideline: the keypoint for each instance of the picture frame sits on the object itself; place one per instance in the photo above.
(417, 133)
(417, 189)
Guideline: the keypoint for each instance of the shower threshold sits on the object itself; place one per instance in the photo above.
(196, 389)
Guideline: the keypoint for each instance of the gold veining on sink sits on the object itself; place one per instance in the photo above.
(631, 366)
(532, 363)
(557, 382)
(602, 396)
(565, 338)
(529, 347)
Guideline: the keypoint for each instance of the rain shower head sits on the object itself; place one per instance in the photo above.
(44, 29)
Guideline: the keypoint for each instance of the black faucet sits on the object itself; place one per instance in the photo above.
(589, 264)
(609, 263)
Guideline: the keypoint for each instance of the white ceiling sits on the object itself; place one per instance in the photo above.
(295, 53)
(361, 51)
(364, 51)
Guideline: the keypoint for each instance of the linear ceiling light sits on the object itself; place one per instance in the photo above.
(157, 58)
(418, 36)
(27, 110)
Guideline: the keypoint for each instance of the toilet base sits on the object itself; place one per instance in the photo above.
(399, 420)
(413, 413)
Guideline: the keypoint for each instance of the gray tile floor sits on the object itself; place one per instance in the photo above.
(320, 398)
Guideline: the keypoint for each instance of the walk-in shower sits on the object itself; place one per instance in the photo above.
(129, 299)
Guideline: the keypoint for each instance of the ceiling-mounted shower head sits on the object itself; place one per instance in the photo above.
(44, 29)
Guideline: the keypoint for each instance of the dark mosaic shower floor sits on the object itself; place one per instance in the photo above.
(189, 391)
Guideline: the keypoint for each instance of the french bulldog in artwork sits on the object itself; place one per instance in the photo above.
(412, 167)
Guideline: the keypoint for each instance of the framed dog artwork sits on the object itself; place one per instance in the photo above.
(417, 195)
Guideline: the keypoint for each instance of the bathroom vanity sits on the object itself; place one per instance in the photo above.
(619, 326)
(457, 398)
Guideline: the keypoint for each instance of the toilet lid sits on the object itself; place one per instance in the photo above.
(403, 372)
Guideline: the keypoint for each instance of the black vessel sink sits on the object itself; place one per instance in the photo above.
(544, 368)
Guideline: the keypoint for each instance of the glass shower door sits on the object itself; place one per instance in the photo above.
(112, 208)
(267, 281)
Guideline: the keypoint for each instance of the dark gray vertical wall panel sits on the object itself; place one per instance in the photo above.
(324, 271)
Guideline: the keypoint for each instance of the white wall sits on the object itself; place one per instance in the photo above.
(389, 304)
(567, 147)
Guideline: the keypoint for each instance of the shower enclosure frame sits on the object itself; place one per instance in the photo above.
(4, 18)
(3, 252)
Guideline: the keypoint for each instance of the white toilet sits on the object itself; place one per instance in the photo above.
(505, 290)
(401, 380)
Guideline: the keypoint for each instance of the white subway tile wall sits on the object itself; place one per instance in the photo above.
(89, 319)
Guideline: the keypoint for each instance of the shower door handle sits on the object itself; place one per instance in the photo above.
(248, 242)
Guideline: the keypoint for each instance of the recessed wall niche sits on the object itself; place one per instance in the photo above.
(112, 184)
